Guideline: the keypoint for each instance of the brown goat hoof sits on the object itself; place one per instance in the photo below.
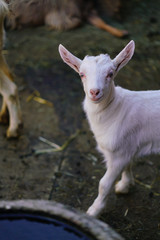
(14, 133)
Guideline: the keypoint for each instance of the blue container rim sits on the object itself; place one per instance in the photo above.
(91, 227)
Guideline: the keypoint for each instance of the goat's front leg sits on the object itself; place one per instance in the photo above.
(126, 181)
(115, 167)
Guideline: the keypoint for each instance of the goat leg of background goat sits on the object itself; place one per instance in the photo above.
(95, 20)
(8, 88)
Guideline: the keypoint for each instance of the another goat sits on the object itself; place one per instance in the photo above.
(57, 14)
(126, 124)
(8, 88)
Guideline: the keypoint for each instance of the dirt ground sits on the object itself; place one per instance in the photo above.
(71, 176)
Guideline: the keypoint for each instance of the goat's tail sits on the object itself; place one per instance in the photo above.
(3, 12)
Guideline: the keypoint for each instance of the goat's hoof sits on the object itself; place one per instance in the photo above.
(14, 133)
(92, 212)
(122, 188)
(125, 34)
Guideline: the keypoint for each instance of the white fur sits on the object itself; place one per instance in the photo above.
(126, 124)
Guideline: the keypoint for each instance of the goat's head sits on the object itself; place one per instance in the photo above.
(97, 73)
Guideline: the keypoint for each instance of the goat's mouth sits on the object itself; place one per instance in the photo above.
(96, 99)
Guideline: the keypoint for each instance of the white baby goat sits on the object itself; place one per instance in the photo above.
(126, 124)
(8, 89)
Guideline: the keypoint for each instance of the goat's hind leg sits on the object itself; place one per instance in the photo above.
(127, 180)
(10, 99)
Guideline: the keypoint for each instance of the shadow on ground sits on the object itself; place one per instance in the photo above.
(71, 176)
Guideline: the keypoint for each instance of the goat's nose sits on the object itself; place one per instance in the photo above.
(94, 92)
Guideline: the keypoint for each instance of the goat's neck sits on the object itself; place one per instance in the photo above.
(92, 108)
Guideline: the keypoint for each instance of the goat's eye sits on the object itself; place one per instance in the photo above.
(81, 75)
(110, 74)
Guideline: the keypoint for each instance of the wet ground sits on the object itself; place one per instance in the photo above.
(71, 176)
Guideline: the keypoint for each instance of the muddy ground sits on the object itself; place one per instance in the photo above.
(71, 176)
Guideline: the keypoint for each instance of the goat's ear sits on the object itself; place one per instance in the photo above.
(124, 56)
(69, 58)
